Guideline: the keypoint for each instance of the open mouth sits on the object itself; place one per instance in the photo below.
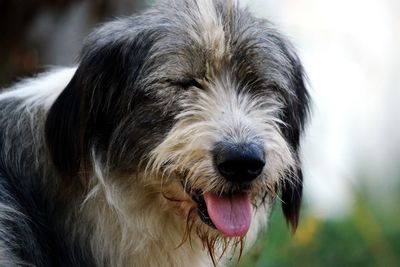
(230, 213)
(202, 211)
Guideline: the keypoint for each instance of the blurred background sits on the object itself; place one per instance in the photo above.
(351, 52)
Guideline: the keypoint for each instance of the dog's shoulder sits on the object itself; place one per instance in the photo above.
(19, 230)
(29, 235)
(31, 231)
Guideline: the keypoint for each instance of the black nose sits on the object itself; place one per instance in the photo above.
(239, 163)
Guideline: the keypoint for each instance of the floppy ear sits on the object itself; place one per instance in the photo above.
(90, 107)
(291, 199)
(295, 115)
(63, 130)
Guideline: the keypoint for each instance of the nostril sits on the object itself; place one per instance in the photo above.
(239, 163)
(255, 167)
(228, 168)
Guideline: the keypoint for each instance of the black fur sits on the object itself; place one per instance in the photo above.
(29, 228)
(122, 101)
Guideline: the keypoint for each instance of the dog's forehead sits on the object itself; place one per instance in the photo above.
(210, 38)
(185, 39)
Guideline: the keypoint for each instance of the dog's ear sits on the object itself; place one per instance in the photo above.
(291, 199)
(99, 94)
(63, 128)
(294, 115)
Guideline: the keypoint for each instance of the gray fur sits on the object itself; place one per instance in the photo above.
(85, 153)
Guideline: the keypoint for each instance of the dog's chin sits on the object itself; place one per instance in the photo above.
(229, 214)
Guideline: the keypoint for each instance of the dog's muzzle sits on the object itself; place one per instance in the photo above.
(231, 212)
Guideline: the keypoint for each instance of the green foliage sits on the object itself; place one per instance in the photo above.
(368, 237)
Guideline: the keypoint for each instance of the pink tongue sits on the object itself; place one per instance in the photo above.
(230, 214)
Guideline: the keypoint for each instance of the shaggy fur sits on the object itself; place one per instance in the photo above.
(109, 163)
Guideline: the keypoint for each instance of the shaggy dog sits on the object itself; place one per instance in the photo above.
(167, 146)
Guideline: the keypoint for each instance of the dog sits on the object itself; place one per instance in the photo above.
(167, 145)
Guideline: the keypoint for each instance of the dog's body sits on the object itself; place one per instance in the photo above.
(166, 146)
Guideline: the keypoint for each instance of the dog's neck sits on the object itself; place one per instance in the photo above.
(133, 229)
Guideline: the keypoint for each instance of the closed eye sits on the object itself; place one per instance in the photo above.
(187, 83)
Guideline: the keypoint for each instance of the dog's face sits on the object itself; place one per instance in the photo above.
(204, 101)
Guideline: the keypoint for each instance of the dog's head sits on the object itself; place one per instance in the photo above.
(203, 100)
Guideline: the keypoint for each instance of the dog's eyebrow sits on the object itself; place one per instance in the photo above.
(186, 83)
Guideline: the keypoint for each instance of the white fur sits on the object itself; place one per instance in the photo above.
(206, 26)
(130, 223)
(134, 227)
(220, 113)
(43, 89)
(134, 224)
(217, 113)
